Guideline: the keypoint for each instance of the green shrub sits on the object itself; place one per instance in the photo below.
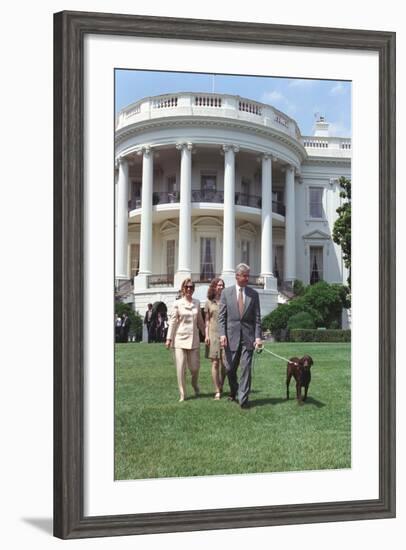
(136, 321)
(279, 317)
(298, 287)
(322, 302)
(328, 335)
(327, 300)
(303, 319)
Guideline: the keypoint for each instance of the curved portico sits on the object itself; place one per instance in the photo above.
(205, 181)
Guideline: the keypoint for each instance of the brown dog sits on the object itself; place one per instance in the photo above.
(300, 370)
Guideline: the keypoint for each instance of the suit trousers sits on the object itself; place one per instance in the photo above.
(242, 357)
(189, 358)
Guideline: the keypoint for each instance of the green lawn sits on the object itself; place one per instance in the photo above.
(155, 436)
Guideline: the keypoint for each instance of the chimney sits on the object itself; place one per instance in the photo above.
(321, 127)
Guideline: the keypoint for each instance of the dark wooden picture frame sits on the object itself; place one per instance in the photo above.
(70, 29)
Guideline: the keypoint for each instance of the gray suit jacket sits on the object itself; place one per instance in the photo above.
(238, 329)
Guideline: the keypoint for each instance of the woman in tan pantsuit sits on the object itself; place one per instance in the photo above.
(213, 349)
(183, 335)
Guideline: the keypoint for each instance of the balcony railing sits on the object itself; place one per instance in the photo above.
(248, 200)
(164, 197)
(160, 280)
(278, 208)
(134, 203)
(208, 195)
(203, 277)
(256, 281)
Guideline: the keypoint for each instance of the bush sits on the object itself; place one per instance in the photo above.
(327, 300)
(303, 319)
(298, 288)
(136, 321)
(322, 302)
(328, 335)
(279, 317)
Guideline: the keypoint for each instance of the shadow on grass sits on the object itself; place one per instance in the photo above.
(315, 402)
(266, 401)
(280, 400)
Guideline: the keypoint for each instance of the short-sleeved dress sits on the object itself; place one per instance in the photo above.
(211, 309)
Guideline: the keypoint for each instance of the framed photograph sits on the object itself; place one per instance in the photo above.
(182, 148)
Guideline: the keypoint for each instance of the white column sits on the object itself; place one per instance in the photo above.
(185, 215)
(266, 224)
(141, 281)
(122, 220)
(228, 273)
(290, 233)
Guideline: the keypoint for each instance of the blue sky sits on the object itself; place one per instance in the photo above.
(303, 100)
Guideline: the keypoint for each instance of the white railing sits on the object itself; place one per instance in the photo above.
(315, 142)
(279, 119)
(250, 107)
(165, 102)
(207, 104)
(207, 101)
(134, 111)
(316, 145)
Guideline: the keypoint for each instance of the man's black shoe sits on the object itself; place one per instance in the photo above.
(245, 405)
(231, 398)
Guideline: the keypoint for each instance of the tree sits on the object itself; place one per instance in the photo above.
(136, 322)
(342, 225)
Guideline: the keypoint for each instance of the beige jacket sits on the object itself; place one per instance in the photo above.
(184, 323)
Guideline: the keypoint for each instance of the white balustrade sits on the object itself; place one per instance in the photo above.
(220, 105)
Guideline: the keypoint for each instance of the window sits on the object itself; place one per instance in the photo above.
(316, 264)
(316, 202)
(278, 264)
(136, 189)
(207, 258)
(208, 182)
(173, 195)
(170, 257)
(208, 187)
(135, 259)
(245, 186)
(135, 201)
(245, 251)
(171, 184)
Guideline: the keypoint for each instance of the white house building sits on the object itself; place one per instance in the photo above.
(205, 181)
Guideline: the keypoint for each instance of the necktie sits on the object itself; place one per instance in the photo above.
(240, 301)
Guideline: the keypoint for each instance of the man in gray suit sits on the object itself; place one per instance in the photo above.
(240, 332)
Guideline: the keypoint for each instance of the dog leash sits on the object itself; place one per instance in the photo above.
(263, 348)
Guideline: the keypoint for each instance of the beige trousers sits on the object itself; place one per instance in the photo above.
(189, 358)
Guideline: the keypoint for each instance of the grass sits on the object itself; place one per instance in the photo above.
(155, 436)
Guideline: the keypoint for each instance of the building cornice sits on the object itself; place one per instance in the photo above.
(212, 122)
(330, 161)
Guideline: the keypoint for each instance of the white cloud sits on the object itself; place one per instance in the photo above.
(337, 89)
(278, 100)
(269, 97)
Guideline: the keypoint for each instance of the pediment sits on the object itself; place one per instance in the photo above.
(168, 226)
(316, 235)
(207, 221)
(247, 227)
